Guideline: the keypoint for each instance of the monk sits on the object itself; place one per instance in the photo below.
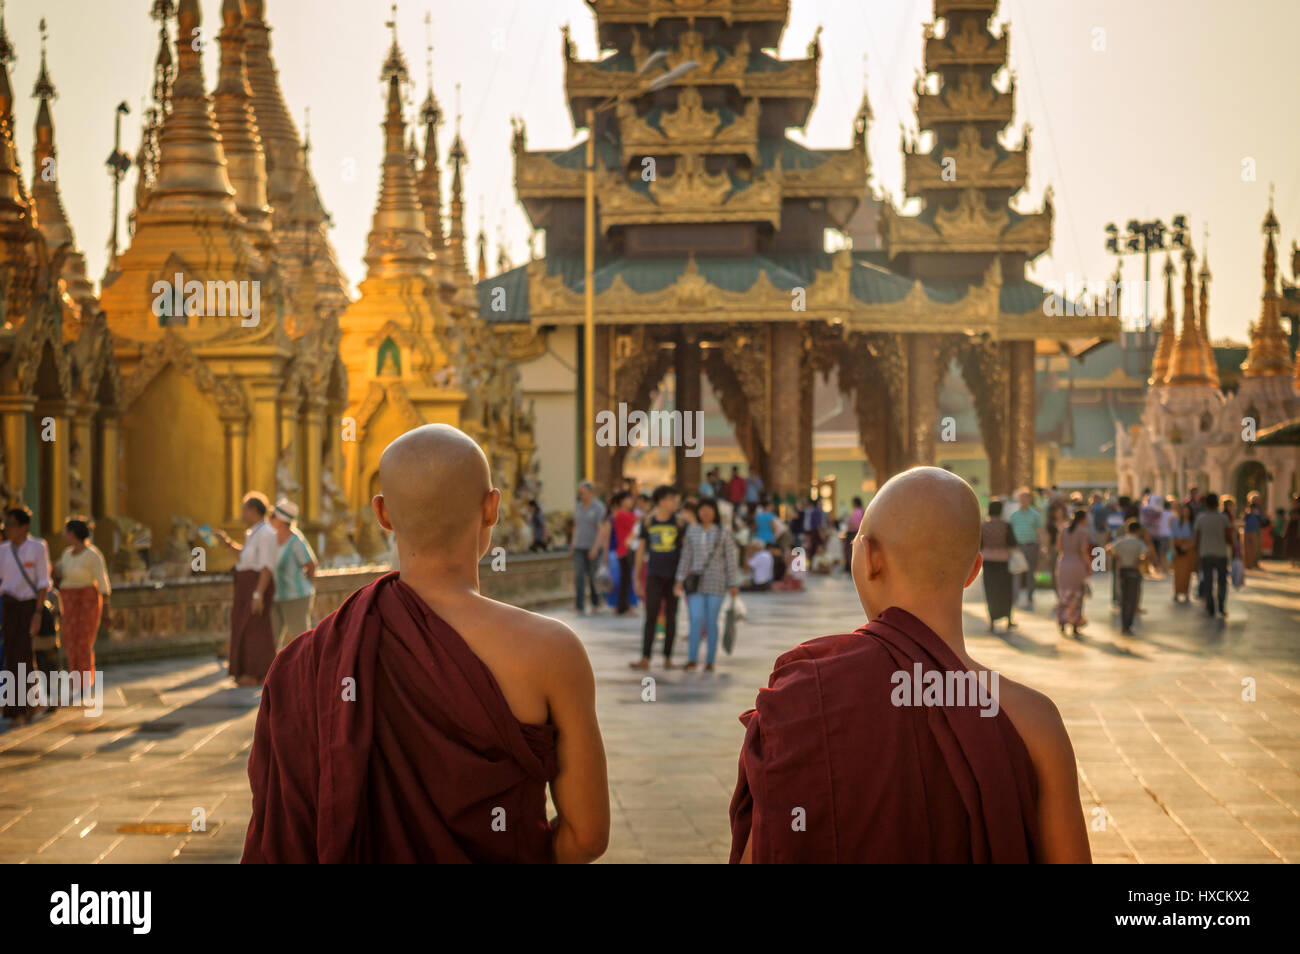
(891, 744)
(421, 721)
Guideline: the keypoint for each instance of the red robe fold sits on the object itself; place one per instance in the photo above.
(428, 764)
(878, 782)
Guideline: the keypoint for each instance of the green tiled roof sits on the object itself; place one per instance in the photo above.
(868, 282)
(575, 157)
(514, 302)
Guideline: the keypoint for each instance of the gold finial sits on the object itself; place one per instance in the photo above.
(395, 64)
(428, 47)
(306, 130)
(7, 54)
(43, 89)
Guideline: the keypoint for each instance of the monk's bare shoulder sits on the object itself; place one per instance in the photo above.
(545, 640)
(1040, 726)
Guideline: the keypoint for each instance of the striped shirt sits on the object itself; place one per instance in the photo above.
(291, 582)
(717, 563)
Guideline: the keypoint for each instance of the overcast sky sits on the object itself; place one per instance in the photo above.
(1182, 100)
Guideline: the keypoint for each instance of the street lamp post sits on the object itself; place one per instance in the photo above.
(636, 88)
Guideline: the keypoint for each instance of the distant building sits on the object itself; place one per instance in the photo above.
(1205, 407)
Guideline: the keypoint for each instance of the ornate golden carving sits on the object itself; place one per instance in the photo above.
(971, 45)
(690, 194)
(689, 128)
(973, 164)
(652, 11)
(793, 79)
(970, 226)
(229, 397)
(844, 173)
(539, 176)
(970, 100)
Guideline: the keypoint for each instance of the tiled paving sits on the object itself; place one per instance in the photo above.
(1174, 765)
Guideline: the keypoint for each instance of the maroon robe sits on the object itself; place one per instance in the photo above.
(252, 644)
(428, 764)
(878, 782)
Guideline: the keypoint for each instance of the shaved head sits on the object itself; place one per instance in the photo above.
(927, 523)
(434, 480)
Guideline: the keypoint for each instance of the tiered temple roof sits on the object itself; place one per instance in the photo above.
(968, 177)
(705, 206)
(710, 149)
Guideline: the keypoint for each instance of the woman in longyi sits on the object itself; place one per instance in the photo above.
(83, 592)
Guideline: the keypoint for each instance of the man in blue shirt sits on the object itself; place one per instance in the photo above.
(1027, 526)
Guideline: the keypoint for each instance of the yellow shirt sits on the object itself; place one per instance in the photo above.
(84, 569)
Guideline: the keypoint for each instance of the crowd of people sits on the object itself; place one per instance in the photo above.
(51, 611)
(649, 552)
(1058, 540)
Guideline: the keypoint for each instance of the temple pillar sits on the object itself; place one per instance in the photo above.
(807, 466)
(688, 400)
(83, 435)
(1021, 411)
(236, 467)
(605, 399)
(784, 416)
(309, 457)
(15, 410)
(55, 429)
(263, 451)
(107, 488)
(922, 399)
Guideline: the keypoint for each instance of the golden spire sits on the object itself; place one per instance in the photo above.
(430, 179)
(240, 139)
(296, 239)
(50, 215)
(456, 233)
(15, 206)
(146, 157)
(1168, 331)
(192, 177)
(279, 137)
(1211, 365)
(1269, 354)
(398, 245)
(481, 272)
(1187, 367)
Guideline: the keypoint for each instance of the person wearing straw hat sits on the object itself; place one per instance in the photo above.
(295, 573)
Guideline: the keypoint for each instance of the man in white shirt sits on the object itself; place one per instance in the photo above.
(24, 581)
(252, 643)
(761, 570)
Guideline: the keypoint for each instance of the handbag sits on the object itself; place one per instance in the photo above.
(1017, 564)
(692, 581)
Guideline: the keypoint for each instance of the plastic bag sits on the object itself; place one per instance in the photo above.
(1238, 573)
